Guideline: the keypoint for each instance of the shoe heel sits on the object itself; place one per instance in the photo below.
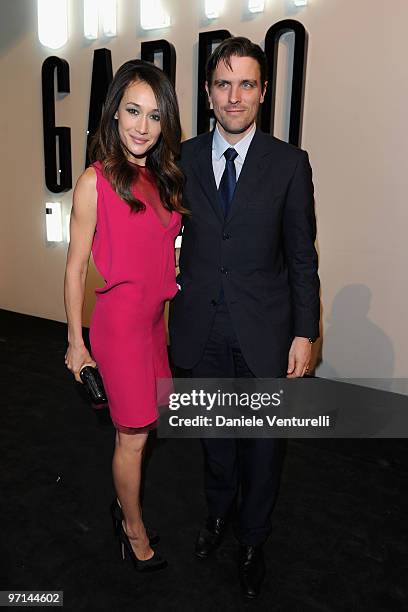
(149, 565)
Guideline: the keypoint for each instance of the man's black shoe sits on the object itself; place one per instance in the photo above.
(251, 566)
(209, 538)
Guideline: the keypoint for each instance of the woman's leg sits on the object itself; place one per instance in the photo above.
(127, 470)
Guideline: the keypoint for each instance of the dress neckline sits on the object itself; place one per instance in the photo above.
(137, 165)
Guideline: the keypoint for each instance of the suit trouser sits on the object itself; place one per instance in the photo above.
(249, 465)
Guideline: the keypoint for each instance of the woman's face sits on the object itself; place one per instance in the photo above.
(138, 121)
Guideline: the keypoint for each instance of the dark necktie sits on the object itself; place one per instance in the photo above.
(228, 180)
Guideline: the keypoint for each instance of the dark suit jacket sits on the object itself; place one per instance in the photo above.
(262, 255)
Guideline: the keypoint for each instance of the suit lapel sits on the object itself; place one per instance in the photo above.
(204, 172)
(256, 161)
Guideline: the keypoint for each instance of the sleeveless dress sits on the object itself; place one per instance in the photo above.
(134, 253)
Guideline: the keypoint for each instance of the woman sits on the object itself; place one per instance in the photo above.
(127, 211)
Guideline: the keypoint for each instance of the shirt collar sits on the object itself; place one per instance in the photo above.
(220, 145)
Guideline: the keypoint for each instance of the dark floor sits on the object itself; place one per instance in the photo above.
(339, 541)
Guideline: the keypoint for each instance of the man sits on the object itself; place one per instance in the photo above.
(249, 299)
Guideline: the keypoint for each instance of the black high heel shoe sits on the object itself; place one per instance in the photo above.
(117, 518)
(149, 565)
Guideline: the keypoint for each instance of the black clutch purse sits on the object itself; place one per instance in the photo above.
(93, 384)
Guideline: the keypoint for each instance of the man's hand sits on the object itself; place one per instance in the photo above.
(299, 357)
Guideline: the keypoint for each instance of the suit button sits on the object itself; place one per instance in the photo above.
(213, 303)
(226, 236)
(224, 270)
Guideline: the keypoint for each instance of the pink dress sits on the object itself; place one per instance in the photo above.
(134, 252)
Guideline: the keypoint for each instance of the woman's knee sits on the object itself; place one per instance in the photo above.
(131, 442)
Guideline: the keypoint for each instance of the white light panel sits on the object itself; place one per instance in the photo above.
(53, 221)
(256, 6)
(96, 11)
(152, 15)
(213, 8)
(108, 13)
(52, 23)
(300, 2)
(91, 19)
(67, 230)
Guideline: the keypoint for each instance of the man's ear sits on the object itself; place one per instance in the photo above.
(207, 89)
(263, 92)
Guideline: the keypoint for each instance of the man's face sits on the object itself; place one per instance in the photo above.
(235, 95)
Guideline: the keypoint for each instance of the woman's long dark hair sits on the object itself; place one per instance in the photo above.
(107, 147)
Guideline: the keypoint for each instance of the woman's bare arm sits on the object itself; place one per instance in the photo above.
(82, 229)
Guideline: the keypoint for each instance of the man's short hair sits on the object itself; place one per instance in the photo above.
(238, 46)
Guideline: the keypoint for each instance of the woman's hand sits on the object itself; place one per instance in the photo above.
(76, 358)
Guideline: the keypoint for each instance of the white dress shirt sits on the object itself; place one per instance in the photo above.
(220, 145)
